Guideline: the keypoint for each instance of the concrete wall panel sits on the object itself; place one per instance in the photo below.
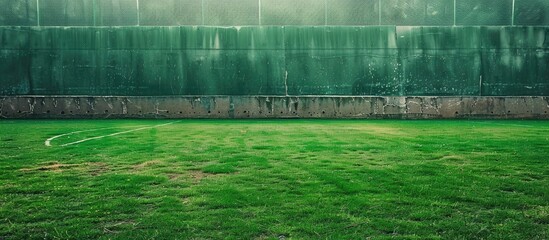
(293, 12)
(246, 107)
(417, 12)
(352, 12)
(531, 12)
(252, 60)
(66, 13)
(482, 12)
(18, 13)
(231, 12)
(170, 12)
(116, 13)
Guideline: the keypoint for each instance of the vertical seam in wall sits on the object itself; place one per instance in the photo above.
(38, 12)
(285, 72)
(202, 11)
(379, 11)
(138, 13)
(455, 9)
(513, 14)
(480, 85)
(259, 13)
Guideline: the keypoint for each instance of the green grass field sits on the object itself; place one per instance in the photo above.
(287, 179)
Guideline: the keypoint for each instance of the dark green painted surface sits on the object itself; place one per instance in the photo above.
(483, 12)
(444, 38)
(15, 38)
(18, 13)
(440, 61)
(14, 72)
(532, 12)
(231, 12)
(170, 12)
(343, 72)
(116, 13)
(333, 38)
(66, 13)
(439, 72)
(352, 12)
(515, 72)
(341, 61)
(300, 60)
(514, 37)
(417, 12)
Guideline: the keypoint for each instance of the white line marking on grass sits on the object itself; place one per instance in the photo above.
(115, 134)
(48, 141)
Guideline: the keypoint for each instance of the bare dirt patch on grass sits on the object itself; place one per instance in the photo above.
(93, 168)
(378, 130)
(174, 176)
(452, 157)
(116, 227)
(147, 164)
(186, 200)
(197, 176)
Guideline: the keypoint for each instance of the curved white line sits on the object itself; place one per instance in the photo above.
(117, 133)
(48, 141)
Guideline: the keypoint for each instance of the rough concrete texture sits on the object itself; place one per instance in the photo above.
(243, 107)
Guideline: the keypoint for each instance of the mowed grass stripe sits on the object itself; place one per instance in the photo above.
(298, 179)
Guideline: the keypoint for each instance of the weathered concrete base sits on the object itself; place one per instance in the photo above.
(243, 107)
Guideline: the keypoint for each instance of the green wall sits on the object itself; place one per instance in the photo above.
(273, 12)
(275, 60)
(274, 47)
